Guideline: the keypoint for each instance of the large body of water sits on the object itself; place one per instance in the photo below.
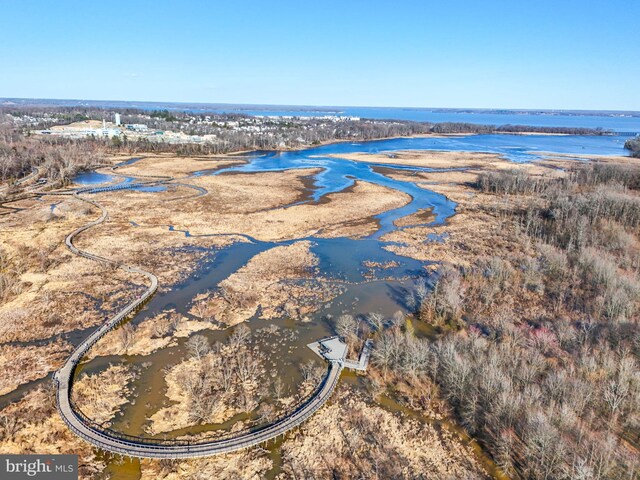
(616, 121)
(338, 174)
(518, 148)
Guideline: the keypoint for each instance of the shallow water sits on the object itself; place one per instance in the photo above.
(150, 188)
(95, 178)
(338, 174)
(92, 178)
(284, 342)
(341, 261)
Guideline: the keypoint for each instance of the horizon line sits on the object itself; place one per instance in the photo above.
(263, 105)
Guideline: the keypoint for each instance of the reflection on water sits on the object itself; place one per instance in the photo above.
(345, 261)
(285, 340)
(92, 178)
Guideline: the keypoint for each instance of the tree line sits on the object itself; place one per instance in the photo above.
(537, 353)
(59, 158)
(56, 159)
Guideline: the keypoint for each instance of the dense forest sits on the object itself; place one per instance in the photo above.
(537, 354)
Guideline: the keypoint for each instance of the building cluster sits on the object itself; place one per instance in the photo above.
(33, 120)
(78, 131)
(192, 129)
(328, 118)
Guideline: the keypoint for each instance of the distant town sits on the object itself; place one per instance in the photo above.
(137, 131)
(197, 132)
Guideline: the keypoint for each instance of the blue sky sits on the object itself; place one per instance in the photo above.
(505, 54)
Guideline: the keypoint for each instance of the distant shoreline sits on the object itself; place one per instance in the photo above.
(420, 135)
(216, 107)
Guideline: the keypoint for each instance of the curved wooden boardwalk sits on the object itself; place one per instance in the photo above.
(150, 448)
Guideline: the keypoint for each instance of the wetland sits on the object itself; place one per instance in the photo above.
(281, 246)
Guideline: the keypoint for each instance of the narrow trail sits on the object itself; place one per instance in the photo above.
(33, 174)
(6, 187)
(116, 442)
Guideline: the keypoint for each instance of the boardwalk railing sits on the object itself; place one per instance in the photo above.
(328, 383)
(116, 442)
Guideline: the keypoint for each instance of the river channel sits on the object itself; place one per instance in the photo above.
(341, 262)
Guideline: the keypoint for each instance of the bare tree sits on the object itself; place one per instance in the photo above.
(240, 336)
(198, 346)
(174, 321)
(376, 320)
(201, 310)
(398, 319)
(278, 388)
(346, 326)
(127, 336)
(311, 372)
(385, 351)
